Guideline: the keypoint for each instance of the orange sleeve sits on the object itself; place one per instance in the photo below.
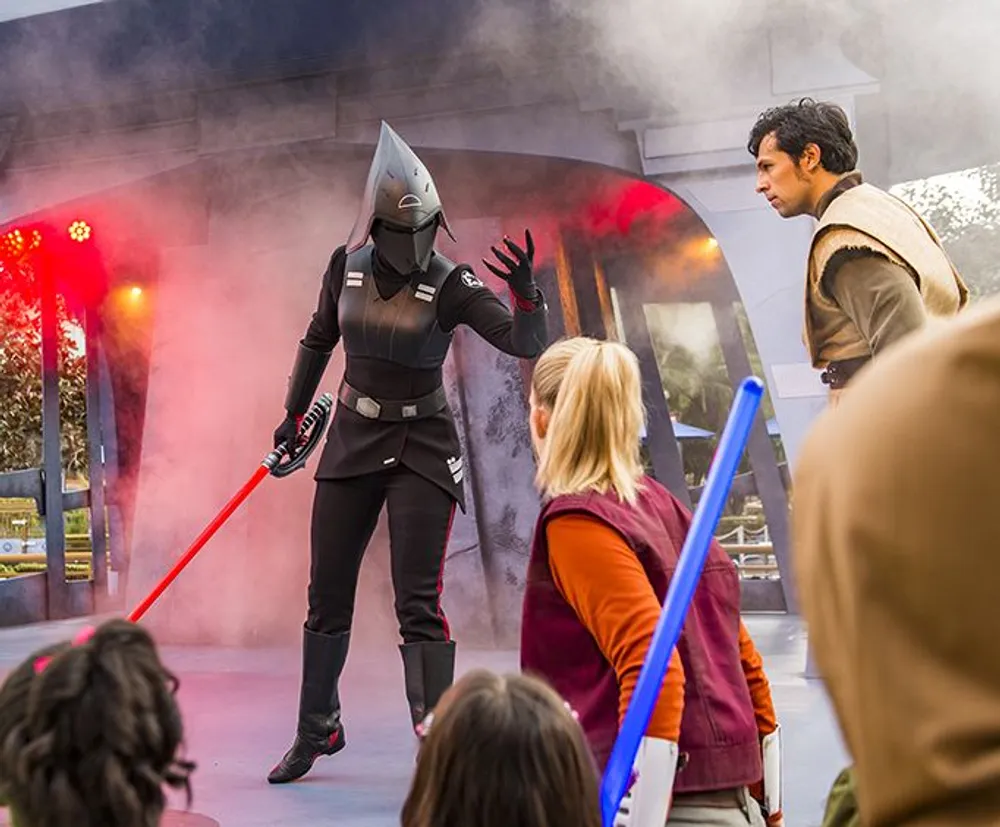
(599, 575)
(760, 688)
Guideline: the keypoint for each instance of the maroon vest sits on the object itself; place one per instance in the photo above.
(718, 728)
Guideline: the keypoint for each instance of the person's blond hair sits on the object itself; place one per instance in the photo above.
(593, 392)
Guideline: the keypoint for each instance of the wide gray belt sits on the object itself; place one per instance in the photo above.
(392, 410)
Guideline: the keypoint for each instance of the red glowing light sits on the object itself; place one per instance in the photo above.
(64, 250)
(622, 208)
(80, 231)
(15, 244)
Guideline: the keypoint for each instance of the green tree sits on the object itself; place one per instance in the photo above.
(699, 393)
(21, 388)
(964, 209)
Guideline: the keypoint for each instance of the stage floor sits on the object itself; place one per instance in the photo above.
(239, 709)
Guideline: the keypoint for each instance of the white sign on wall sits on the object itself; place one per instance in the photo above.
(797, 381)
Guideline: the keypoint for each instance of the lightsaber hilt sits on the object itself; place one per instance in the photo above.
(313, 424)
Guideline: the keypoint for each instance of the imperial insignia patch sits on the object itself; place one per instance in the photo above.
(469, 279)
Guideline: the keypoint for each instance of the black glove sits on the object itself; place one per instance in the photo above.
(518, 274)
(288, 433)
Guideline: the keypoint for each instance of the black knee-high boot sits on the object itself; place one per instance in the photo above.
(320, 731)
(429, 669)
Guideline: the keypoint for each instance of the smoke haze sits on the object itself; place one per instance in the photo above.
(242, 249)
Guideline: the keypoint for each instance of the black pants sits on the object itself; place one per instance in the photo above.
(345, 513)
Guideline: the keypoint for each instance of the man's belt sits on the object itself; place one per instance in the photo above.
(838, 374)
(392, 410)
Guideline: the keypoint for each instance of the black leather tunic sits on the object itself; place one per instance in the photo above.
(402, 328)
(396, 333)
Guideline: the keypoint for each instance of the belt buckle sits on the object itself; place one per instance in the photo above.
(368, 407)
(409, 411)
(832, 376)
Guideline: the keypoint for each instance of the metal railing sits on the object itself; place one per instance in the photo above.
(752, 552)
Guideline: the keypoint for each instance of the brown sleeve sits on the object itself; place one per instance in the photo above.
(880, 297)
(599, 575)
(760, 688)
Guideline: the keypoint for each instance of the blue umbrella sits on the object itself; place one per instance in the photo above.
(682, 431)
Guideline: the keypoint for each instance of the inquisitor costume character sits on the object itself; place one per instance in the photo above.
(393, 302)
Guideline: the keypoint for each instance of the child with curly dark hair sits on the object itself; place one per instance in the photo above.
(90, 733)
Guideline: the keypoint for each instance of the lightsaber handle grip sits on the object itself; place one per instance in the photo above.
(319, 412)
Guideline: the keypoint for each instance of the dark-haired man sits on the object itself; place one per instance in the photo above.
(876, 269)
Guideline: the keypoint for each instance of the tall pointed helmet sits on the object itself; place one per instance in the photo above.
(400, 191)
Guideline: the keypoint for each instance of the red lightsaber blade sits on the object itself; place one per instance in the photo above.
(315, 419)
(199, 544)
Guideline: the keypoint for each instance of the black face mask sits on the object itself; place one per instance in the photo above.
(405, 250)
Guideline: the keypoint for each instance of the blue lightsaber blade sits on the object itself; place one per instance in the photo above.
(706, 517)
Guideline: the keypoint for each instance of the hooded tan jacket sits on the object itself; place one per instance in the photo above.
(895, 550)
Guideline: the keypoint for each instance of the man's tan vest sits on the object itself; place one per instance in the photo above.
(867, 218)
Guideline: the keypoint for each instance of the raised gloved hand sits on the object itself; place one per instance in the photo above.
(519, 273)
(288, 433)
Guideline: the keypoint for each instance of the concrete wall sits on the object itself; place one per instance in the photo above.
(499, 461)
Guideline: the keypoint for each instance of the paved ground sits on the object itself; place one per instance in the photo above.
(239, 708)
